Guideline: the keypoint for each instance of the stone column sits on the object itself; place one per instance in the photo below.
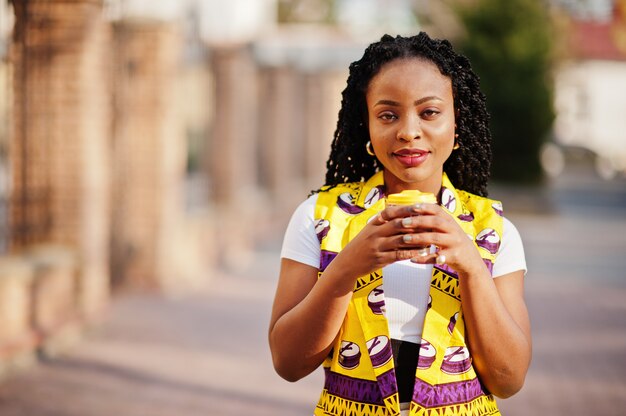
(232, 145)
(232, 152)
(61, 135)
(298, 118)
(281, 130)
(18, 340)
(282, 140)
(321, 109)
(149, 154)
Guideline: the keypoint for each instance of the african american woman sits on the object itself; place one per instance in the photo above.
(400, 329)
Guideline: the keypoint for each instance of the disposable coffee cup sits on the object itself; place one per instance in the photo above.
(411, 197)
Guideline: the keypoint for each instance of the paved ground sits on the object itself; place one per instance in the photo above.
(207, 354)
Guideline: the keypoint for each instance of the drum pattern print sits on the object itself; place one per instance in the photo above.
(347, 202)
(349, 355)
(489, 240)
(448, 200)
(376, 300)
(379, 349)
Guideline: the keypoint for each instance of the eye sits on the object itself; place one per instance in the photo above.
(387, 116)
(430, 113)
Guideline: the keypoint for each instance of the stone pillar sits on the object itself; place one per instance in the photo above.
(281, 130)
(282, 140)
(60, 142)
(54, 296)
(17, 338)
(149, 154)
(297, 122)
(232, 152)
(322, 91)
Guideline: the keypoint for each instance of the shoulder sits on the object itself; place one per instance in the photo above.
(300, 242)
(511, 255)
(511, 235)
(305, 210)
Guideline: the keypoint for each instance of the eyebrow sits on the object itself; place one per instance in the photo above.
(417, 102)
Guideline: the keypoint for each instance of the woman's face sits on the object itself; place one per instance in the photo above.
(411, 123)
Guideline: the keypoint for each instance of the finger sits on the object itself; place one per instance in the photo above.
(392, 228)
(389, 214)
(394, 242)
(379, 219)
(401, 250)
(426, 239)
(438, 258)
(438, 222)
(410, 240)
(426, 209)
(398, 211)
(428, 259)
(383, 229)
(408, 254)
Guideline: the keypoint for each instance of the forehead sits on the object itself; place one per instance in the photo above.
(410, 75)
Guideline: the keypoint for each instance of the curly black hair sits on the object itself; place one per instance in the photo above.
(468, 167)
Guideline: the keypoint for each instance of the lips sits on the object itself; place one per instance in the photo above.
(411, 157)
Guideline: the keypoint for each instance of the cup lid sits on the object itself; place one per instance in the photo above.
(411, 196)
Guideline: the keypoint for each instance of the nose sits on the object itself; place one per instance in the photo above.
(410, 128)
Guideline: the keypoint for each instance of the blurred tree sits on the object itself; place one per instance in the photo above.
(305, 11)
(509, 44)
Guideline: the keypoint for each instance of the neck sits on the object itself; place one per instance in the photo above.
(393, 185)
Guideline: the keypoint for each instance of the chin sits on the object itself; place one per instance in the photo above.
(412, 178)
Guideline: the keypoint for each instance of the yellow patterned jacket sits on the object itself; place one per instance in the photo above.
(359, 372)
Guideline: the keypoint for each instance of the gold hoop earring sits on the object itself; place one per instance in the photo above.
(456, 146)
(369, 149)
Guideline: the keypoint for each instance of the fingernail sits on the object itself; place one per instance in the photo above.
(407, 222)
(417, 207)
(407, 238)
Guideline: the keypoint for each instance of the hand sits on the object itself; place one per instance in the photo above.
(433, 225)
(381, 242)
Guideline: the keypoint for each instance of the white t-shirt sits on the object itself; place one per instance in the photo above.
(406, 284)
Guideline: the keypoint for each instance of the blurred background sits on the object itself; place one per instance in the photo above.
(152, 152)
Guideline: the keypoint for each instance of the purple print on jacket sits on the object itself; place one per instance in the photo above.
(346, 202)
(321, 228)
(456, 360)
(467, 216)
(448, 201)
(452, 322)
(376, 300)
(427, 355)
(489, 240)
(497, 206)
(325, 258)
(379, 349)
(447, 394)
(349, 355)
(373, 196)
